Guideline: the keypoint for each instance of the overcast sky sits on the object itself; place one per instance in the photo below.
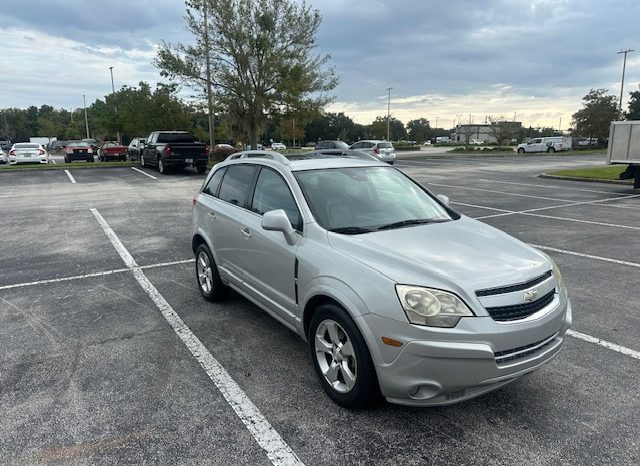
(445, 59)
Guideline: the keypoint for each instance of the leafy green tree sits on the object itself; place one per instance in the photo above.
(397, 131)
(419, 130)
(634, 106)
(598, 111)
(263, 60)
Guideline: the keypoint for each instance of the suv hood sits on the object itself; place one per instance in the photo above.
(462, 254)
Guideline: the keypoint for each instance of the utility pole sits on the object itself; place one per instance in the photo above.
(86, 119)
(113, 91)
(624, 65)
(207, 51)
(437, 121)
(560, 126)
(388, 112)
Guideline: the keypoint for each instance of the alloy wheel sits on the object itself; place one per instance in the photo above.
(205, 274)
(336, 356)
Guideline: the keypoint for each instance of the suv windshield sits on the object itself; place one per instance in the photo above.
(365, 199)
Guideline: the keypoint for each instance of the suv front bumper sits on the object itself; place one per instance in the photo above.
(477, 356)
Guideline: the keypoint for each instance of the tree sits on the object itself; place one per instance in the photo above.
(502, 129)
(378, 129)
(419, 130)
(634, 106)
(597, 112)
(262, 60)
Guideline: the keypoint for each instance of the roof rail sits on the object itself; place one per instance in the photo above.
(247, 154)
(352, 153)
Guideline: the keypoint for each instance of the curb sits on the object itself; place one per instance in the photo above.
(588, 180)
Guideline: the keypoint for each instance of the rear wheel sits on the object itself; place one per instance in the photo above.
(142, 161)
(66, 160)
(551, 149)
(161, 167)
(202, 169)
(521, 150)
(341, 358)
(90, 159)
(209, 282)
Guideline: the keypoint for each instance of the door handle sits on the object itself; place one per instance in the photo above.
(246, 233)
(212, 215)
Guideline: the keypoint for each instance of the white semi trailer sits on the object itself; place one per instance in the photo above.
(624, 148)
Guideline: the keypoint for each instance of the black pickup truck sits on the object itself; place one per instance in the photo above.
(174, 149)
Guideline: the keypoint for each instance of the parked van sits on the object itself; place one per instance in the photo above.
(548, 144)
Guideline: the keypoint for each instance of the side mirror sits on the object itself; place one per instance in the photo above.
(444, 199)
(277, 220)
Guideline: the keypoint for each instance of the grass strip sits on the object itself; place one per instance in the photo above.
(609, 172)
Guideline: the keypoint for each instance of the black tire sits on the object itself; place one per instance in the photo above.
(201, 169)
(551, 149)
(161, 166)
(218, 289)
(123, 159)
(66, 160)
(521, 151)
(142, 161)
(365, 391)
(90, 159)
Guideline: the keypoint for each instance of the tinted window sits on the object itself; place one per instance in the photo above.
(357, 145)
(367, 145)
(272, 193)
(236, 183)
(212, 186)
(385, 145)
(340, 145)
(27, 146)
(324, 145)
(175, 137)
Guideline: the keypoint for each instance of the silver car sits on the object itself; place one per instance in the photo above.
(28, 152)
(397, 294)
(382, 150)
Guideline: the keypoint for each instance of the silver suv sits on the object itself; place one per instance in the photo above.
(396, 293)
(382, 150)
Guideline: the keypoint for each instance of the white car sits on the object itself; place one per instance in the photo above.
(4, 158)
(278, 146)
(28, 152)
(476, 142)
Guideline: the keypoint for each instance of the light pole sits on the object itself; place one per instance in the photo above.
(437, 118)
(388, 111)
(86, 120)
(624, 65)
(113, 91)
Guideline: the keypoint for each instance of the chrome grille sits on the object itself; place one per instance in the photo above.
(523, 352)
(520, 311)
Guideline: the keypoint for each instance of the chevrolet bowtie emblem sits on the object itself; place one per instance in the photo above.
(530, 295)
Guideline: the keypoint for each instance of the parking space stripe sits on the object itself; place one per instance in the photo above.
(92, 275)
(606, 344)
(500, 192)
(586, 256)
(144, 173)
(265, 435)
(70, 177)
(565, 188)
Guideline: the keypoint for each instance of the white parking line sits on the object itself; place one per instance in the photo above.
(267, 437)
(586, 256)
(565, 188)
(144, 173)
(501, 192)
(70, 177)
(607, 344)
(91, 275)
(53, 160)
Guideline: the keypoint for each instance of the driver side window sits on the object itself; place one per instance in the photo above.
(271, 193)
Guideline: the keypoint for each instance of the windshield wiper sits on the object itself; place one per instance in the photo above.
(351, 230)
(404, 223)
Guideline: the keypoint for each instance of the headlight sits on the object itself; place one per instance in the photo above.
(557, 274)
(434, 308)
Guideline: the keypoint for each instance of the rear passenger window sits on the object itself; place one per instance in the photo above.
(236, 183)
(212, 186)
(272, 193)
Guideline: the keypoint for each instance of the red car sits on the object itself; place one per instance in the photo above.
(112, 150)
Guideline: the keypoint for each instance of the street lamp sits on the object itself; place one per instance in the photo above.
(388, 111)
(86, 120)
(624, 65)
(113, 91)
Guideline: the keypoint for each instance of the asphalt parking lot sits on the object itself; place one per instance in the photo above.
(110, 355)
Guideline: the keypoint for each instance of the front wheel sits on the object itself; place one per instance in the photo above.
(209, 282)
(341, 358)
(521, 151)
